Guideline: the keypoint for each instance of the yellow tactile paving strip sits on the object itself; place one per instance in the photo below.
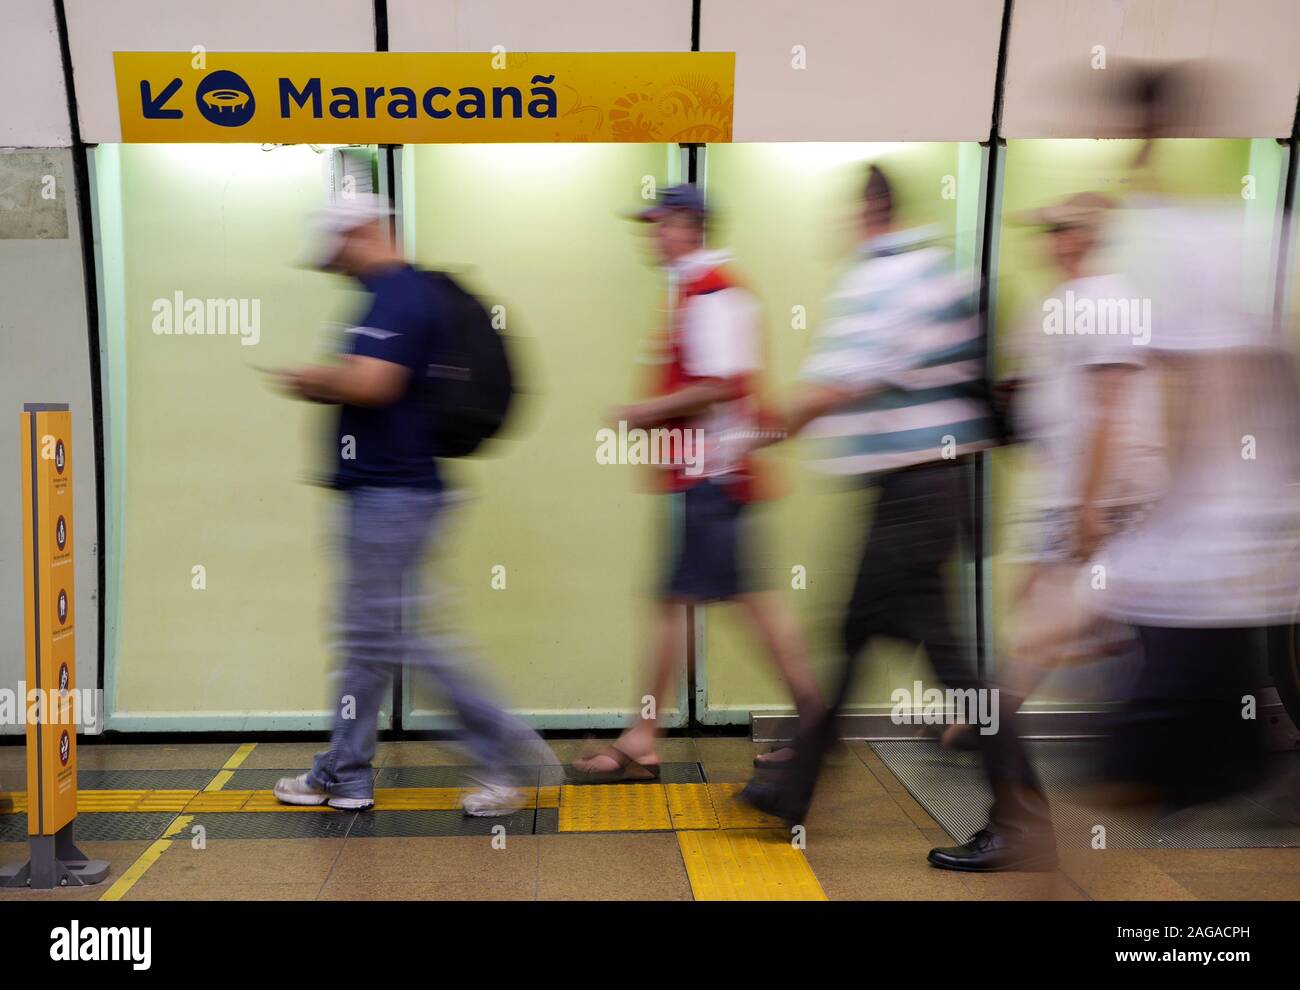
(690, 806)
(614, 808)
(733, 814)
(14, 802)
(209, 801)
(595, 808)
(731, 852)
(134, 800)
(747, 865)
(656, 808)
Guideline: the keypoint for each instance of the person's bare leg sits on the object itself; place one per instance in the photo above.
(784, 642)
(961, 735)
(638, 739)
(1047, 623)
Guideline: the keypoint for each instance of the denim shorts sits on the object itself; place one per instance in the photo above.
(709, 557)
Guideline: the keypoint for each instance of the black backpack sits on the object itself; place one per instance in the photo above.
(468, 384)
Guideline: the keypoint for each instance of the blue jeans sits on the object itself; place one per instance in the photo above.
(385, 535)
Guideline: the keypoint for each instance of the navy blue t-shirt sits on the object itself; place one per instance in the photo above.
(392, 446)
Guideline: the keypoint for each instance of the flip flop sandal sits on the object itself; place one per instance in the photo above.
(628, 770)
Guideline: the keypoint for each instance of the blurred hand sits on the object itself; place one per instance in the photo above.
(308, 382)
(633, 415)
(1005, 394)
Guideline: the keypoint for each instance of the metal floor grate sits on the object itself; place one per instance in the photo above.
(154, 780)
(950, 786)
(97, 826)
(408, 824)
(289, 825)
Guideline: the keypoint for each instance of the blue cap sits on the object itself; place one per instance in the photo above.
(681, 197)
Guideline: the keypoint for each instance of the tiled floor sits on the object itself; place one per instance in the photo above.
(866, 839)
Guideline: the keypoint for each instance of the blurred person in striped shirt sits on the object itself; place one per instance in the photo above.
(894, 396)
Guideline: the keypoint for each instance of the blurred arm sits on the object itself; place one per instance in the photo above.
(814, 400)
(720, 344)
(357, 381)
(688, 401)
(1108, 384)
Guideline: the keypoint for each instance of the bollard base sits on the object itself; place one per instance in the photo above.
(56, 862)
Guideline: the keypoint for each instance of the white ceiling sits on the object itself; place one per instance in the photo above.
(35, 110)
(1051, 89)
(876, 70)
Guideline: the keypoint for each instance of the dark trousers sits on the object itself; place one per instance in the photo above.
(1182, 731)
(901, 592)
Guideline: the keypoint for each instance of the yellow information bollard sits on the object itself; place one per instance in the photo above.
(51, 710)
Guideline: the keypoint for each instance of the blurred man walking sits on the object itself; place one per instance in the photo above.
(894, 387)
(708, 406)
(394, 502)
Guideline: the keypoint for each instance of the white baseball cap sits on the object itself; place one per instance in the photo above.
(330, 225)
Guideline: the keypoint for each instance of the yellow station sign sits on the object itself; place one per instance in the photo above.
(425, 98)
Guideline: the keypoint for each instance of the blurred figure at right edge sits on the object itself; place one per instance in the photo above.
(1216, 562)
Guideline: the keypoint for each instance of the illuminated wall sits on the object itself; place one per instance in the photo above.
(206, 465)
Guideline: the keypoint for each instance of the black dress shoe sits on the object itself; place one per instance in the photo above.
(770, 798)
(988, 851)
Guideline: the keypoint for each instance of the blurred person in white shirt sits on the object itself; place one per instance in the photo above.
(1217, 560)
(1090, 405)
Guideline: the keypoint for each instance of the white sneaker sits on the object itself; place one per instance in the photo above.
(492, 800)
(296, 790)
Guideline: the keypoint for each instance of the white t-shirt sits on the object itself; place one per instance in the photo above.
(720, 338)
(1083, 325)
